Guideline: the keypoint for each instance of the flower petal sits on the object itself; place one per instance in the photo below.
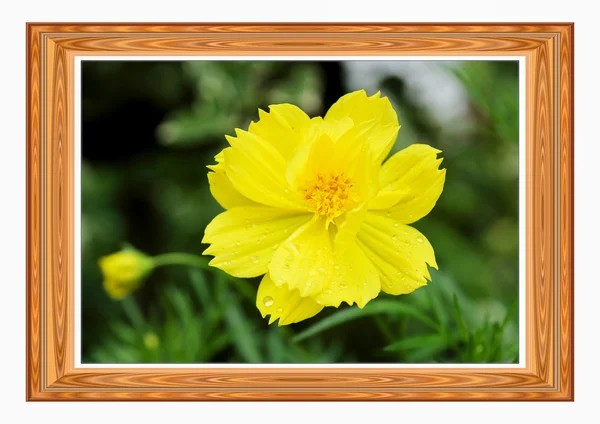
(398, 251)
(257, 170)
(360, 108)
(221, 188)
(243, 239)
(284, 304)
(346, 156)
(284, 127)
(411, 183)
(305, 260)
(354, 279)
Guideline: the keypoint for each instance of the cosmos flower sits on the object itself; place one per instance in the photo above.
(311, 204)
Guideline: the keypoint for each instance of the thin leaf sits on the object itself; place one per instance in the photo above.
(200, 287)
(426, 352)
(133, 312)
(416, 342)
(462, 326)
(242, 333)
(373, 308)
(438, 309)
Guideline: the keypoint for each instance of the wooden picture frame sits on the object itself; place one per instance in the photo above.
(548, 371)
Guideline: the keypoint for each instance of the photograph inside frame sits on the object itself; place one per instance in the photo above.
(333, 212)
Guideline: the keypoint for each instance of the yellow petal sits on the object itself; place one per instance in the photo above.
(411, 184)
(335, 128)
(221, 188)
(284, 127)
(284, 304)
(243, 239)
(354, 279)
(347, 226)
(345, 157)
(398, 251)
(304, 261)
(257, 170)
(312, 159)
(360, 108)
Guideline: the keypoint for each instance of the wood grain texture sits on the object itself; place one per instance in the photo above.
(33, 246)
(310, 44)
(548, 371)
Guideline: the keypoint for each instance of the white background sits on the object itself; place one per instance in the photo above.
(13, 407)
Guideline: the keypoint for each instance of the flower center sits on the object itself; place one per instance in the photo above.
(329, 195)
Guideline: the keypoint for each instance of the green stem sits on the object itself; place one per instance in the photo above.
(195, 261)
(181, 259)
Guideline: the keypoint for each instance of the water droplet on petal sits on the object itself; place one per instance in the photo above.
(254, 259)
(420, 239)
(322, 270)
(268, 301)
(343, 286)
(279, 310)
(238, 243)
(336, 267)
(394, 237)
(396, 224)
(328, 291)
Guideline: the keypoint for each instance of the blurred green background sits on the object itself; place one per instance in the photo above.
(149, 130)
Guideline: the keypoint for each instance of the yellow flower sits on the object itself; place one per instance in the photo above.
(124, 272)
(310, 206)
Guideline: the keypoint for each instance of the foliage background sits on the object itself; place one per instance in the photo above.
(149, 130)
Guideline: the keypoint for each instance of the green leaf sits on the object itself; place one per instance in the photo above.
(373, 308)
(125, 333)
(275, 347)
(462, 326)
(438, 309)
(133, 313)
(242, 332)
(201, 289)
(419, 341)
(426, 352)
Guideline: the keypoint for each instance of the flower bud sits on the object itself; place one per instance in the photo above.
(124, 272)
